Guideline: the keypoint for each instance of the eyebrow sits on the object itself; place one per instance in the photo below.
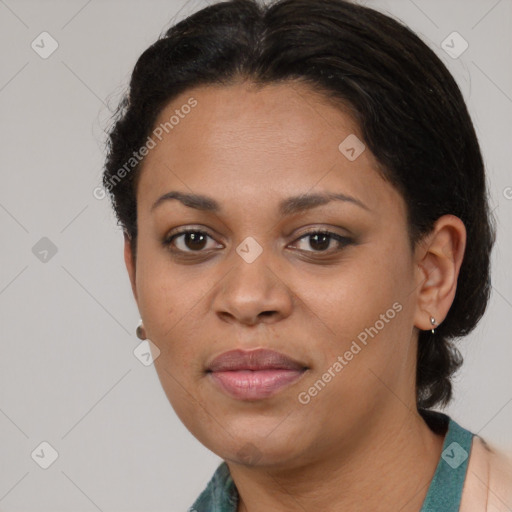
(287, 206)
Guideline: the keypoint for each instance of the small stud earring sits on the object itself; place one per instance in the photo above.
(433, 322)
(140, 331)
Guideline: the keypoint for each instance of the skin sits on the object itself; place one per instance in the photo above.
(360, 443)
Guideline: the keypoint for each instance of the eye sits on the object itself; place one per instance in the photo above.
(196, 241)
(321, 240)
(192, 240)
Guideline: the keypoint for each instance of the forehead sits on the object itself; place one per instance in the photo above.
(243, 139)
(283, 116)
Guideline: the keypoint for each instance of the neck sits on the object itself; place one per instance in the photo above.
(390, 469)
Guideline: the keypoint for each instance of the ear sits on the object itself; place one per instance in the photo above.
(130, 264)
(438, 259)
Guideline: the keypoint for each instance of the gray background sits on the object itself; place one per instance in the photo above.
(68, 375)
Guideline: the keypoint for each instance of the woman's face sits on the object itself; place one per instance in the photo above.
(259, 277)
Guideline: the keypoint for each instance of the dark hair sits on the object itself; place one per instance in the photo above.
(410, 110)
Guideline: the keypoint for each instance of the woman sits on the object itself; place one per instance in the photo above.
(306, 227)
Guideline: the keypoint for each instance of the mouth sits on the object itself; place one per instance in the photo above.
(254, 375)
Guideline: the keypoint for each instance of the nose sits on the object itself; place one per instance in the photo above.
(253, 292)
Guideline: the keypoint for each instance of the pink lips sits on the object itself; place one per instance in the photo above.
(254, 375)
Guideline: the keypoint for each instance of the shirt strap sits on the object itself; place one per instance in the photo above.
(445, 490)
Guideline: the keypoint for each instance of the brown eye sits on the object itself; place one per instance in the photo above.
(188, 241)
(320, 241)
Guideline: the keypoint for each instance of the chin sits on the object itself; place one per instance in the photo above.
(261, 449)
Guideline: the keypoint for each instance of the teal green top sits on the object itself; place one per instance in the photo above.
(444, 493)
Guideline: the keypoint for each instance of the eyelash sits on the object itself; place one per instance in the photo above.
(342, 240)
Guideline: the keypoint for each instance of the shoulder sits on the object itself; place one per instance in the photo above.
(488, 484)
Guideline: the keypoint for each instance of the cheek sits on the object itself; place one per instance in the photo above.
(363, 287)
(172, 303)
(158, 298)
(366, 310)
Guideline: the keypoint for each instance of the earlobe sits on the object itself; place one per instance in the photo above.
(130, 264)
(438, 261)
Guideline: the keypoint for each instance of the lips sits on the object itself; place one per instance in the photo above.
(256, 360)
(254, 375)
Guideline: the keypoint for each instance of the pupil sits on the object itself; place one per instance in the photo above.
(324, 244)
(194, 238)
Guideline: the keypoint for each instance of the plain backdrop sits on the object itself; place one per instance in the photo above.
(68, 374)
